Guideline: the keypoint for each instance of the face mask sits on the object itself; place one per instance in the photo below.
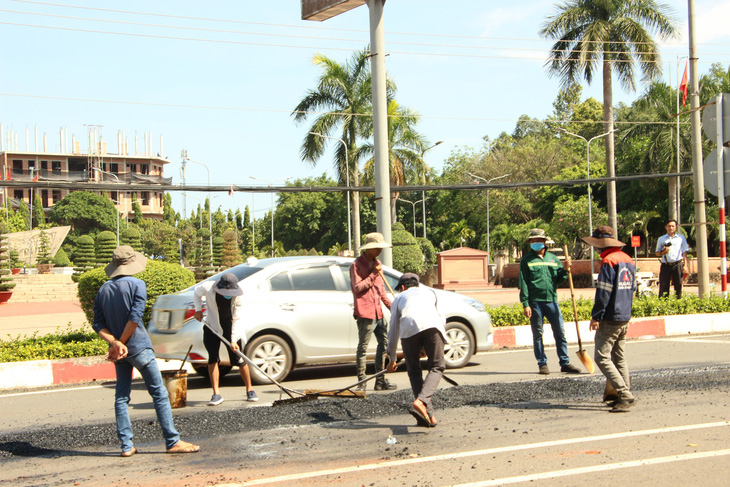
(537, 246)
(228, 297)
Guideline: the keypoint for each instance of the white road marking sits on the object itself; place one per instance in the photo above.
(488, 451)
(597, 468)
(52, 390)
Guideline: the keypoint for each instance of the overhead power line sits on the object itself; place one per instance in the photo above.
(274, 110)
(326, 189)
(318, 26)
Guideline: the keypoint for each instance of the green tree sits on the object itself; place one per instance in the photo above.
(84, 257)
(24, 213)
(407, 255)
(132, 237)
(217, 251)
(616, 34)
(87, 213)
(405, 146)
(6, 277)
(137, 210)
(231, 255)
(39, 214)
(344, 92)
(168, 214)
(106, 242)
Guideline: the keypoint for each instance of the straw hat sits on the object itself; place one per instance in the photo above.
(375, 240)
(228, 285)
(603, 238)
(125, 262)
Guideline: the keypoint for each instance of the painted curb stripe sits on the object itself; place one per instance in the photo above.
(69, 372)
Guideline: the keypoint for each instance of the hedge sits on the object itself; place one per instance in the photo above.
(643, 306)
(160, 277)
(61, 344)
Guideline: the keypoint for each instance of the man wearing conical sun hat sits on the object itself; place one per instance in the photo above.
(611, 313)
(369, 292)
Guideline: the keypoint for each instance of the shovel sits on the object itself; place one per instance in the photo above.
(582, 355)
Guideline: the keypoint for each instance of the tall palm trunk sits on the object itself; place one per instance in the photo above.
(355, 195)
(608, 127)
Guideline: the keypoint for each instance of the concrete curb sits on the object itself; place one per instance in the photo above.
(38, 373)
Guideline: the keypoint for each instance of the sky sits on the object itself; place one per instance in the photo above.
(220, 79)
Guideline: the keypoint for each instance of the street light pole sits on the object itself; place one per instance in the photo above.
(116, 202)
(272, 207)
(423, 193)
(347, 171)
(413, 204)
(588, 164)
(210, 202)
(489, 252)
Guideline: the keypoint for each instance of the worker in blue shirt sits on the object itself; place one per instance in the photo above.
(118, 310)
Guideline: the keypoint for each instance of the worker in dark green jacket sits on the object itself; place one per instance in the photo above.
(540, 274)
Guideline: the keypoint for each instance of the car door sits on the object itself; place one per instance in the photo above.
(320, 314)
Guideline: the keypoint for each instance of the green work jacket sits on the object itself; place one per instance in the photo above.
(539, 278)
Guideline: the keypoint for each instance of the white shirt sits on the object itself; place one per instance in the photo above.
(676, 251)
(206, 289)
(413, 311)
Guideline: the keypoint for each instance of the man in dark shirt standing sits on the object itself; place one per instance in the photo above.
(369, 291)
(118, 310)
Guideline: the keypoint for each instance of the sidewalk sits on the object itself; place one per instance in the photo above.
(26, 319)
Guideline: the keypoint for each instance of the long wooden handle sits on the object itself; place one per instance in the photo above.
(572, 297)
(386, 282)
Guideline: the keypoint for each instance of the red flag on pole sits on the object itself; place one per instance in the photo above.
(683, 86)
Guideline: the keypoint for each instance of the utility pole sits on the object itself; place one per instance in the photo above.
(703, 276)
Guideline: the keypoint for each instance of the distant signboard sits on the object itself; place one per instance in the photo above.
(636, 241)
(326, 9)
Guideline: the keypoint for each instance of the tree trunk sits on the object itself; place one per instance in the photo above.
(608, 127)
(673, 199)
(356, 215)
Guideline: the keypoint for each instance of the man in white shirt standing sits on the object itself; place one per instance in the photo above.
(416, 320)
(672, 251)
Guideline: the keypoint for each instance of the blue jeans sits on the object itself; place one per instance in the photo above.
(551, 311)
(145, 362)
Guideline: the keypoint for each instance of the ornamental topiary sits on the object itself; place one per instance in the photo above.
(160, 277)
(61, 259)
(106, 242)
(407, 255)
(133, 238)
(85, 256)
(6, 278)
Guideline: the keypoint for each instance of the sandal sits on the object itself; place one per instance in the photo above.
(420, 418)
(129, 453)
(183, 447)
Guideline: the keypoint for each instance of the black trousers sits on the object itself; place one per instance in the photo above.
(671, 272)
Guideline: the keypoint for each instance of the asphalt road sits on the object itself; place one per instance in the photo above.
(504, 424)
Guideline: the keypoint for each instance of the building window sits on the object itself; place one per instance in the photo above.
(145, 198)
(56, 166)
(56, 196)
(18, 194)
(17, 167)
(44, 198)
(132, 167)
(113, 167)
(144, 168)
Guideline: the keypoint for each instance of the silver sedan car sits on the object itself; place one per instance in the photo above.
(299, 311)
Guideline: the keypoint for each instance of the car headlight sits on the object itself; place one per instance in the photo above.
(476, 304)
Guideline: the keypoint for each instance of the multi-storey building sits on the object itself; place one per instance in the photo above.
(92, 166)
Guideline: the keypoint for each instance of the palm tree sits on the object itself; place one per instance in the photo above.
(405, 146)
(344, 91)
(615, 32)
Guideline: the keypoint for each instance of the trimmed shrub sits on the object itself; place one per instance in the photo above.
(407, 255)
(69, 344)
(44, 249)
(160, 277)
(217, 251)
(61, 259)
(106, 242)
(6, 277)
(85, 256)
(231, 254)
(429, 253)
(132, 237)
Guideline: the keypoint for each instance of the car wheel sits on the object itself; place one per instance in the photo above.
(271, 354)
(459, 345)
(202, 370)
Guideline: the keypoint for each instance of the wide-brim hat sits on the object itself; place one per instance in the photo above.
(228, 285)
(375, 240)
(125, 262)
(538, 233)
(602, 237)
